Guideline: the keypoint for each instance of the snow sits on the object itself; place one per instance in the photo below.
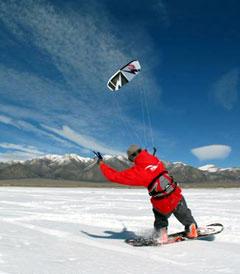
(179, 164)
(212, 168)
(61, 159)
(107, 157)
(81, 230)
(122, 158)
(209, 168)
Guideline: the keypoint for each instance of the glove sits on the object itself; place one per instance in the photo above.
(99, 156)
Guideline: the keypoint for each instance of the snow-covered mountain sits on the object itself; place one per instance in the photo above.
(64, 159)
(65, 167)
(213, 168)
(77, 168)
(209, 168)
(179, 164)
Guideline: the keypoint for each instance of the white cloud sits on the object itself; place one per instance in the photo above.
(212, 152)
(7, 120)
(28, 127)
(16, 152)
(20, 112)
(23, 148)
(226, 89)
(84, 141)
(16, 156)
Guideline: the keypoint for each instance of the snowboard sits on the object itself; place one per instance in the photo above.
(207, 232)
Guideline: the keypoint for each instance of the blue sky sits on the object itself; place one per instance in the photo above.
(57, 56)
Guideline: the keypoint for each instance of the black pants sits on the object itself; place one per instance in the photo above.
(182, 213)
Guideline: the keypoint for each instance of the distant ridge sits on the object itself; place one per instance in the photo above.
(77, 168)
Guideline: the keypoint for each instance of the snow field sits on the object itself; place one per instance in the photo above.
(82, 230)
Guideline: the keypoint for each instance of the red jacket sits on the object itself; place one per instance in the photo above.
(146, 168)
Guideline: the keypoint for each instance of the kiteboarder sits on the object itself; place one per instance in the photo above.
(166, 195)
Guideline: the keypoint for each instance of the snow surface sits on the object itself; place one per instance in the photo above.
(82, 230)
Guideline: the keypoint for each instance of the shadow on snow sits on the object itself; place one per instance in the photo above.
(121, 235)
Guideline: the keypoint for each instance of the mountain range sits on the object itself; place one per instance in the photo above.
(77, 168)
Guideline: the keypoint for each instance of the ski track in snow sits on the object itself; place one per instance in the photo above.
(82, 230)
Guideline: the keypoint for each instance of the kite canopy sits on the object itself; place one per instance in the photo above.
(124, 75)
(120, 78)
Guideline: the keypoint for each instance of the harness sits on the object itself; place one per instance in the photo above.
(166, 183)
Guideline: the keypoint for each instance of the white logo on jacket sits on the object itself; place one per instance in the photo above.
(151, 167)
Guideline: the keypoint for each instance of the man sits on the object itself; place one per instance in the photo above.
(166, 196)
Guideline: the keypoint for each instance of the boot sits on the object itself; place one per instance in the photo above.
(161, 236)
(192, 231)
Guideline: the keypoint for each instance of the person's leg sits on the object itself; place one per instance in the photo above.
(184, 215)
(160, 220)
(160, 226)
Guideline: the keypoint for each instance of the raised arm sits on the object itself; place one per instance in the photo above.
(126, 177)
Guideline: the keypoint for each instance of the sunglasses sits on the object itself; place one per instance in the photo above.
(133, 155)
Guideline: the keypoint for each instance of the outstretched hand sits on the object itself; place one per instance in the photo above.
(99, 156)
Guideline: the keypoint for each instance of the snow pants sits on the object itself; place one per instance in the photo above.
(182, 213)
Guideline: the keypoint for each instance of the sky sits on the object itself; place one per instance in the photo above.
(57, 56)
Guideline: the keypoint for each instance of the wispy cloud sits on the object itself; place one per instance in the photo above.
(18, 152)
(226, 89)
(7, 120)
(23, 148)
(28, 127)
(16, 156)
(84, 141)
(212, 152)
(80, 45)
(161, 8)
